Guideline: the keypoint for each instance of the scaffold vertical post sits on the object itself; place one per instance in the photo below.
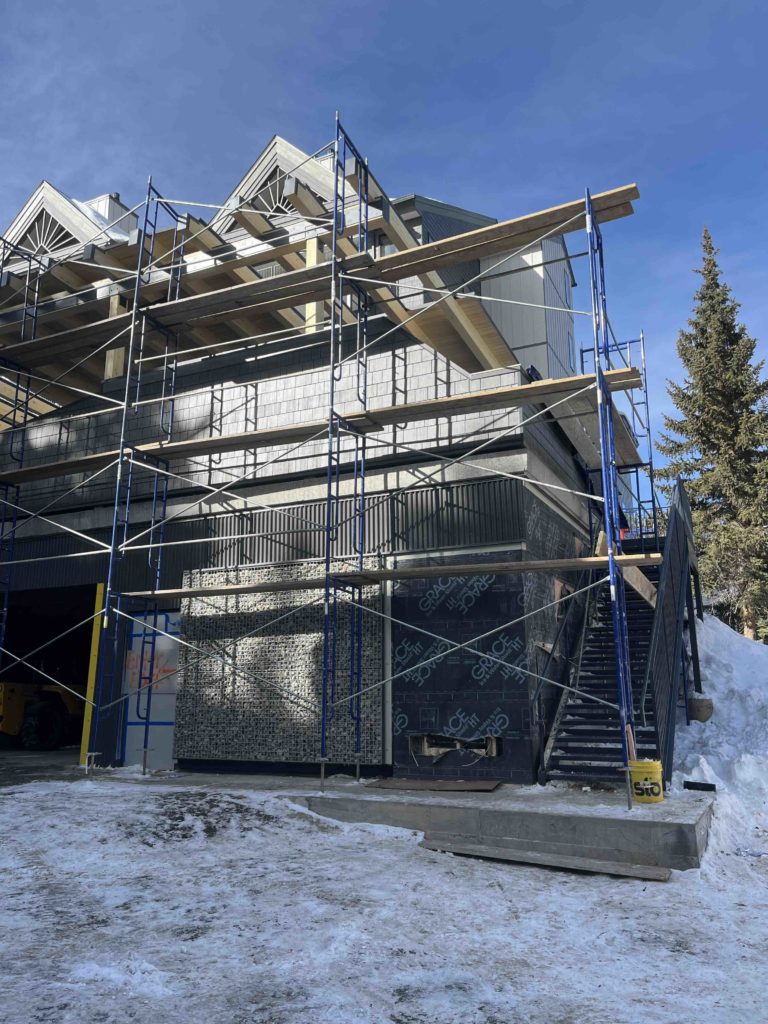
(346, 449)
(108, 661)
(19, 415)
(651, 474)
(332, 467)
(611, 513)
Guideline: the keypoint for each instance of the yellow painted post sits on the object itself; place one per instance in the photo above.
(313, 311)
(93, 663)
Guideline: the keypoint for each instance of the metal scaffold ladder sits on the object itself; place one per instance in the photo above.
(348, 362)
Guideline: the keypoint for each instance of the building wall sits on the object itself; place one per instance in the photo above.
(229, 714)
(232, 395)
(542, 338)
(466, 697)
(558, 293)
(524, 326)
(266, 709)
(461, 697)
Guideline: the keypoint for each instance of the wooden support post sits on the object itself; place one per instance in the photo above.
(313, 311)
(114, 361)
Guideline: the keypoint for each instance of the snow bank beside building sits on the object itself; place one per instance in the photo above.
(731, 749)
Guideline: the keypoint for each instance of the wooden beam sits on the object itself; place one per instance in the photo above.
(164, 241)
(114, 358)
(373, 577)
(287, 317)
(473, 325)
(313, 311)
(311, 283)
(353, 174)
(200, 236)
(640, 583)
(427, 331)
(634, 576)
(251, 216)
(505, 236)
(261, 295)
(302, 199)
(108, 267)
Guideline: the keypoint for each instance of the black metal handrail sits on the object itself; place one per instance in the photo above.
(536, 699)
(663, 672)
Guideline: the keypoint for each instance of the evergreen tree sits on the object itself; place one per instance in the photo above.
(717, 444)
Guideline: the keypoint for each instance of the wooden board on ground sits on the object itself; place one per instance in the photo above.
(466, 848)
(437, 785)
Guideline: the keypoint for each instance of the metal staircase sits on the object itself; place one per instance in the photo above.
(586, 742)
(586, 737)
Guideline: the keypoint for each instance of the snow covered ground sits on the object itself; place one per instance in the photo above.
(149, 902)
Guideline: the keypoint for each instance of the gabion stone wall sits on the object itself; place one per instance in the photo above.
(263, 703)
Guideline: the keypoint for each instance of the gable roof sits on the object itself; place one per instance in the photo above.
(276, 162)
(51, 221)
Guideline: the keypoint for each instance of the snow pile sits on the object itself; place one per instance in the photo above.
(731, 749)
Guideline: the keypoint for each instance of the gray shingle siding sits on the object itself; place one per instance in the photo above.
(292, 389)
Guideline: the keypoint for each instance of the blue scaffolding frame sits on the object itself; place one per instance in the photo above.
(29, 291)
(350, 307)
(604, 344)
(109, 678)
(346, 298)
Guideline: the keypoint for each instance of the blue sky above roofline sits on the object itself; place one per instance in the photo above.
(498, 108)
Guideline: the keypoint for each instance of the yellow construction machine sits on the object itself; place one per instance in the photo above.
(39, 717)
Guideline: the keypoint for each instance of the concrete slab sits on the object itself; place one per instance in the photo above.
(553, 820)
(648, 872)
(536, 820)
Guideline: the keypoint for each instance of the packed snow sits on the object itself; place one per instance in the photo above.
(158, 902)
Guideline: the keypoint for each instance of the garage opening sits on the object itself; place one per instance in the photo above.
(35, 713)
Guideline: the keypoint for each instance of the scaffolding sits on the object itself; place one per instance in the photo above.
(165, 299)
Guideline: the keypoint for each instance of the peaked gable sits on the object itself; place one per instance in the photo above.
(51, 222)
(266, 179)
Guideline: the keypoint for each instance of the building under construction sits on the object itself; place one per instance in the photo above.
(318, 479)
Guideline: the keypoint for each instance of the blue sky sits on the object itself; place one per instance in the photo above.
(501, 107)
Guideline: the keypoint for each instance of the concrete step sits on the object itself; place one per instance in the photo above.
(459, 845)
(573, 824)
(611, 776)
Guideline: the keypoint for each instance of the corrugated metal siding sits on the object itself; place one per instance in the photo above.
(538, 337)
(476, 513)
(523, 327)
(559, 326)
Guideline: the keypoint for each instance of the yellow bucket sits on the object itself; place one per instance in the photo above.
(647, 782)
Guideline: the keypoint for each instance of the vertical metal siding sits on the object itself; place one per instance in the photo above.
(475, 513)
(559, 326)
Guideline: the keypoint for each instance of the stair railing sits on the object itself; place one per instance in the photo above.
(536, 700)
(663, 671)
